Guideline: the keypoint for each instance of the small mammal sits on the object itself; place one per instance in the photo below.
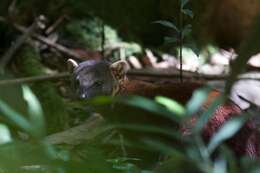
(97, 77)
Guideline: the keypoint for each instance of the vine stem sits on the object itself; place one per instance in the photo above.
(103, 32)
(181, 43)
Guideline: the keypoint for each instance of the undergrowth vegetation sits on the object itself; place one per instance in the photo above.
(108, 151)
(36, 119)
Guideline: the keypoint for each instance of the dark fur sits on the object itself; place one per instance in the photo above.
(92, 78)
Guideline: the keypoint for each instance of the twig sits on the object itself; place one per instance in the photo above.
(48, 42)
(170, 75)
(133, 73)
(34, 79)
(181, 42)
(187, 75)
(55, 24)
(12, 50)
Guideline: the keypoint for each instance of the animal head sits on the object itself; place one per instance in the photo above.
(97, 77)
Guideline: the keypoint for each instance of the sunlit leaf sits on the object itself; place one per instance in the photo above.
(34, 109)
(5, 135)
(34, 106)
(229, 129)
(197, 100)
(167, 24)
(220, 166)
(172, 105)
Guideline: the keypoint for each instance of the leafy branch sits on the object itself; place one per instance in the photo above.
(181, 30)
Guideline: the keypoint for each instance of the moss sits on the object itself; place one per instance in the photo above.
(53, 105)
(87, 32)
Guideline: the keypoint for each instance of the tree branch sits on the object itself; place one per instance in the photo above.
(55, 24)
(48, 42)
(34, 79)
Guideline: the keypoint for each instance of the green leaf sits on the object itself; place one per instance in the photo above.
(164, 148)
(188, 12)
(171, 105)
(15, 117)
(12, 96)
(207, 114)
(167, 24)
(183, 3)
(170, 39)
(35, 110)
(228, 130)
(5, 135)
(149, 105)
(197, 100)
(220, 166)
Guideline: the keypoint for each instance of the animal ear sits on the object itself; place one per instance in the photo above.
(119, 69)
(72, 64)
